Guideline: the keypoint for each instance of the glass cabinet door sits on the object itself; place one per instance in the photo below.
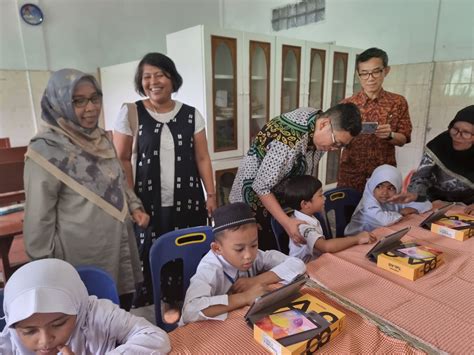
(338, 93)
(356, 86)
(316, 78)
(224, 84)
(224, 180)
(259, 86)
(290, 81)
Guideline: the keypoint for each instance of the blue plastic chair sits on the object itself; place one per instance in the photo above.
(343, 201)
(98, 283)
(190, 245)
(2, 314)
(281, 237)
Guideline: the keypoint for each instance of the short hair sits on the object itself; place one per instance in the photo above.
(372, 53)
(345, 117)
(300, 188)
(165, 64)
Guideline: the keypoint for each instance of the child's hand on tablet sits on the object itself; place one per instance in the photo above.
(255, 291)
(366, 238)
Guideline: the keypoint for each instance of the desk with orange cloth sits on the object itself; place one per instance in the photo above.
(234, 336)
(11, 225)
(437, 308)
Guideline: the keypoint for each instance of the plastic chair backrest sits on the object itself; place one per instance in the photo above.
(343, 201)
(2, 314)
(190, 245)
(98, 283)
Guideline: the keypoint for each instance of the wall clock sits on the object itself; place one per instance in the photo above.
(31, 14)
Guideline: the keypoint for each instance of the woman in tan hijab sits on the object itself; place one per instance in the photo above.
(78, 204)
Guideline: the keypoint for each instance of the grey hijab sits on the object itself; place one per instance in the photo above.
(83, 159)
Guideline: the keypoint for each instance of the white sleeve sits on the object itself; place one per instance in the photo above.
(122, 124)
(377, 217)
(421, 207)
(200, 295)
(284, 266)
(133, 335)
(311, 234)
(199, 122)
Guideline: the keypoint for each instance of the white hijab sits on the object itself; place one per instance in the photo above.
(49, 286)
(370, 213)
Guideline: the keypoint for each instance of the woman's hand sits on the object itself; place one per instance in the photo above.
(469, 209)
(405, 197)
(211, 204)
(141, 218)
(291, 228)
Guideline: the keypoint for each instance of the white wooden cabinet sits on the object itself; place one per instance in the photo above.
(240, 80)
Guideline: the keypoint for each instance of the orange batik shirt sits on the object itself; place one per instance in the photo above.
(366, 151)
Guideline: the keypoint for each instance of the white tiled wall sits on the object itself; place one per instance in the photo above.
(413, 81)
(453, 89)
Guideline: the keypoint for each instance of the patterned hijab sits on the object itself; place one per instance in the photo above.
(440, 148)
(82, 158)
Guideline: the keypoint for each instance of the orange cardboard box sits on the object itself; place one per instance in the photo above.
(456, 226)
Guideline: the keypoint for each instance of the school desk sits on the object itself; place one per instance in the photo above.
(233, 336)
(11, 225)
(437, 308)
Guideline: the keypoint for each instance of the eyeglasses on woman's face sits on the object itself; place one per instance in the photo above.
(82, 102)
(335, 143)
(454, 131)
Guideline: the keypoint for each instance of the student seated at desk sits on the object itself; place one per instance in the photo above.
(48, 310)
(304, 194)
(374, 210)
(234, 272)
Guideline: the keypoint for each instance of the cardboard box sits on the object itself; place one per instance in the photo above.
(456, 226)
(329, 320)
(410, 260)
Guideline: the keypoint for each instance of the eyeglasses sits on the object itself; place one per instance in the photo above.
(464, 134)
(335, 143)
(84, 101)
(375, 74)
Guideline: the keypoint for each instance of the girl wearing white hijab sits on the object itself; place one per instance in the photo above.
(373, 210)
(47, 310)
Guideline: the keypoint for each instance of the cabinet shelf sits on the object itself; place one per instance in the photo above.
(291, 80)
(256, 117)
(258, 77)
(224, 76)
(339, 81)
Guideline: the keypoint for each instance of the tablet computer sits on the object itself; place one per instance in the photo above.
(436, 215)
(274, 299)
(386, 243)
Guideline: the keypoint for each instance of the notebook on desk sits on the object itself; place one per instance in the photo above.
(436, 215)
(275, 299)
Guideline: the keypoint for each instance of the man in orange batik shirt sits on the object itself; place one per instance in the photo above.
(389, 110)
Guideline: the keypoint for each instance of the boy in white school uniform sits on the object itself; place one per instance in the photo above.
(305, 195)
(234, 272)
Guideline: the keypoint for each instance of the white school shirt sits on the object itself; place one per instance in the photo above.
(371, 214)
(212, 281)
(311, 231)
(167, 152)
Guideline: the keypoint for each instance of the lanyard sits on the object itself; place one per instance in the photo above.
(232, 280)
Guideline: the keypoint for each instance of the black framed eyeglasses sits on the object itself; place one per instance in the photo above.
(376, 73)
(464, 134)
(83, 101)
(335, 143)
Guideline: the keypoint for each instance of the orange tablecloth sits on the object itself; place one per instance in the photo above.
(233, 336)
(436, 308)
